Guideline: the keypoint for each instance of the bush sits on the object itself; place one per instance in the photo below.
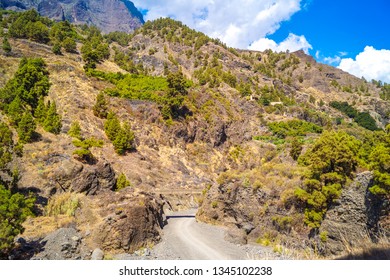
(122, 182)
(6, 46)
(293, 128)
(69, 44)
(100, 109)
(83, 153)
(75, 130)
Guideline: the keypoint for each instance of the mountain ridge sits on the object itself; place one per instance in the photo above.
(107, 15)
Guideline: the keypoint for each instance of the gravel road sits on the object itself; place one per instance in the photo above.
(186, 239)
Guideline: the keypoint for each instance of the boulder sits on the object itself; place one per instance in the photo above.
(128, 221)
(97, 255)
(88, 179)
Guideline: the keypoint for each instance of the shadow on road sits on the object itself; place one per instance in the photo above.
(180, 217)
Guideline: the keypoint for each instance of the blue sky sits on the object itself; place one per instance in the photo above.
(351, 35)
(340, 27)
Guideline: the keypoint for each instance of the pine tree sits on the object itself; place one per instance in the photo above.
(124, 140)
(26, 128)
(75, 130)
(112, 126)
(52, 121)
(6, 46)
(6, 144)
(100, 108)
(69, 45)
(15, 110)
(41, 111)
(14, 209)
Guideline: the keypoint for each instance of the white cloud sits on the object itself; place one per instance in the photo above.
(371, 64)
(332, 60)
(291, 43)
(238, 23)
(343, 53)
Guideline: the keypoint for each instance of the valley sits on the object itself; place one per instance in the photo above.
(104, 135)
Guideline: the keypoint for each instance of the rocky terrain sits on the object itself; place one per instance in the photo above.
(109, 16)
(225, 149)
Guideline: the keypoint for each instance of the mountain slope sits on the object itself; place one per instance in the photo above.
(111, 15)
(231, 134)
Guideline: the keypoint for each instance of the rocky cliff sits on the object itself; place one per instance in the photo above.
(107, 15)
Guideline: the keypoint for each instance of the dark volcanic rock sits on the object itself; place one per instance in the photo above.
(129, 222)
(108, 15)
(63, 244)
(356, 218)
(88, 179)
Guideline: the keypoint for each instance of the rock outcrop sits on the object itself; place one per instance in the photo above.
(107, 15)
(128, 221)
(88, 179)
(357, 219)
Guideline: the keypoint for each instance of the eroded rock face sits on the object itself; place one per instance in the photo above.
(356, 219)
(107, 15)
(128, 221)
(88, 179)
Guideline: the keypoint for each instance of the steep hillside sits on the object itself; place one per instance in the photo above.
(266, 143)
(109, 16)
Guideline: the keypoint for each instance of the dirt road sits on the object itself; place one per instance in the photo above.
(186, 239)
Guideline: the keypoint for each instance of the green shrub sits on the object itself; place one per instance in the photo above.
(100, 109)
(296, 148)
(6, 46)
(84, 153)
(14, 210)
(293, 128)
(122, 182)
(75, 130)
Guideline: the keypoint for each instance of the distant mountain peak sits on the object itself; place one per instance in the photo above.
(108, 15)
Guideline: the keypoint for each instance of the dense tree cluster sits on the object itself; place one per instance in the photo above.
(29, 25)
(94, 49)
(363, 119)
(23, 97)
(331, 160)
